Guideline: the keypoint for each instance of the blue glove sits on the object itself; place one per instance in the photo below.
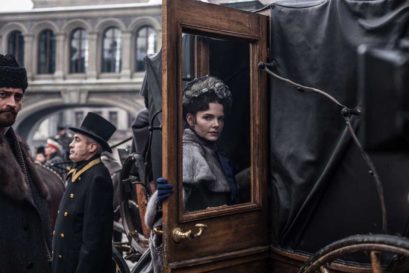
(164, 189)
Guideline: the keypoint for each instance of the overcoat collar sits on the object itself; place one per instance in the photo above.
(82, 167)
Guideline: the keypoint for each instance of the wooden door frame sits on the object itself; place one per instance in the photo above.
(177, 17)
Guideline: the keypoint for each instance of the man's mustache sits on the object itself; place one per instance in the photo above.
(12, 111)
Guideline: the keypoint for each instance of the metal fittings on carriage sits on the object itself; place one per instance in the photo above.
(179, 235)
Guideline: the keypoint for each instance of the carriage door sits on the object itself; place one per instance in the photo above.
(204, 39)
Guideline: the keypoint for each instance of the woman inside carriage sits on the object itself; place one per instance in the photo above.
(208, 176)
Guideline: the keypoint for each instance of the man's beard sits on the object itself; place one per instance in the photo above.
(7, 117)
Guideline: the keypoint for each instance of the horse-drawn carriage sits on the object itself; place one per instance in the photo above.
(298, 83)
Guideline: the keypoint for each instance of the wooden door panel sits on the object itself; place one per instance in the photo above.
(246, 262)
(228, 235)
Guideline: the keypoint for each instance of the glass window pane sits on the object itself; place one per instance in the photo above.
(216, 152)
(46, 52)
(15, 46)
(78, 116)
(78, 51)
(113, 117)
(146, 41)
(111, 51)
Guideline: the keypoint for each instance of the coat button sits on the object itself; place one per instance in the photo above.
(62, 235)
(53, 232)
(59, 256)
(71, 195)
(66, 213)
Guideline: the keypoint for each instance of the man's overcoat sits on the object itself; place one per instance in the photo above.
(83, 231)
(25, 235)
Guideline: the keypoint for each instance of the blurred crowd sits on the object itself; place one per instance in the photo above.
(54, 154)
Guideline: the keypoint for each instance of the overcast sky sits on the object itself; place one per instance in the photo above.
(9, 5)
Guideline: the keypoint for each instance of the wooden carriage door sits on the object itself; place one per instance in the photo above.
(236, 237)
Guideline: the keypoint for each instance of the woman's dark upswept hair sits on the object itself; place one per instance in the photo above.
(204, 90)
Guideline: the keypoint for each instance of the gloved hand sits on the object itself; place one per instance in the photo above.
(164, 189)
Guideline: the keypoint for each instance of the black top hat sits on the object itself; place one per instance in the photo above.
(97, 128)
(11, 74)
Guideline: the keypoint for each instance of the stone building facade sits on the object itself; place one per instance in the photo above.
(81, 56)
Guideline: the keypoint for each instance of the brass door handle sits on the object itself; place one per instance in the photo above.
(179, 235)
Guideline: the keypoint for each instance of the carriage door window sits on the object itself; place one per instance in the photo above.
(216, 122)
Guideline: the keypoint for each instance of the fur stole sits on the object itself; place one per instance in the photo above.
(13, 183)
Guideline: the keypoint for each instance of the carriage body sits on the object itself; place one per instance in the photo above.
(309, 184)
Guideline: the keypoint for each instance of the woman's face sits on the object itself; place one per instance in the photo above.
(208, 124)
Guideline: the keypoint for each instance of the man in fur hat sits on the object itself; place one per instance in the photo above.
(83, 230)
(24, 229)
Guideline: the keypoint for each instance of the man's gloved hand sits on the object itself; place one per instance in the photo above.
(164, 189)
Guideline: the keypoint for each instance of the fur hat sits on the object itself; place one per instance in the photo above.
(11, 74)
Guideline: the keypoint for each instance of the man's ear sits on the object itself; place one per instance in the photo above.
(190, 119)
(92, 147)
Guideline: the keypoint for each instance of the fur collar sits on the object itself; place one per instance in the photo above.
(13, 182)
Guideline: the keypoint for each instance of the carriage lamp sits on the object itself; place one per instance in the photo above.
(383, 84)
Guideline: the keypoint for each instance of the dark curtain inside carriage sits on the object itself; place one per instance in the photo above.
(321, 188)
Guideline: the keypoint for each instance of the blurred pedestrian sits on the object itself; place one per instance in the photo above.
(55, 161)
(64, 138)
(39, 156)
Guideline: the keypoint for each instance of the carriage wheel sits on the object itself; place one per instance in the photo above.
(370, 253)
(118, 263)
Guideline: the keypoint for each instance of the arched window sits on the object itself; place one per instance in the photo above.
(111, 50)
(78, 51)
(145, 44)
(46, 52)
(15, 46)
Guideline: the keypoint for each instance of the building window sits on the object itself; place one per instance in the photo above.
(111, 51)
(145, 44)
(113, 117)
(15, 46)
(78, 116)
(46, 52)
(78, 51)
(98, 113)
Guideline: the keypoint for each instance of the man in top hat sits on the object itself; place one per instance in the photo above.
(83, 230)
(25, 235)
